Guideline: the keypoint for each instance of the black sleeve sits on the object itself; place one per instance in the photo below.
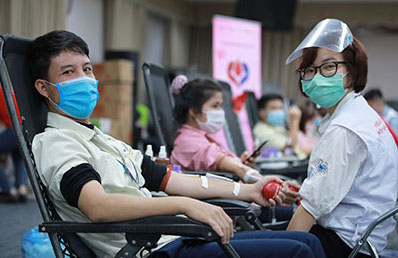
(73, 181)
(153, 173)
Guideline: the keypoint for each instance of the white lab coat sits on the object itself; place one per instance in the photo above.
(353, 173)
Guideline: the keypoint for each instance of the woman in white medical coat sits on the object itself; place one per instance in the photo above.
(353, 169)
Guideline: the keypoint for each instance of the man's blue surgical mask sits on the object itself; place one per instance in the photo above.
(77, 97)
(325, 91)
(276, 117)
(316, 121)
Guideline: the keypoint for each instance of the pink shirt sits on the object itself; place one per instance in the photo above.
(306, 141)
(195, 150)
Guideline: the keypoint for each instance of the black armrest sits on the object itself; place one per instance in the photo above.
(167, 225)
(231, 206)
(142, 233)
(247, 213)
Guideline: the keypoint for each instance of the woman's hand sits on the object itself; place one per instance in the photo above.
(290, 189)
(211, 215)
(257, 192)
(249, 162)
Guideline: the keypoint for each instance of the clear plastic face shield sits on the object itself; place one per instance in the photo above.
(331, 34)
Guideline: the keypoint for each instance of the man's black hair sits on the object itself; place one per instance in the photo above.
(373, 94)
(262, 103)
(43, 48)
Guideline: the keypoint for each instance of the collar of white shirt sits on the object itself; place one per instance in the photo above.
(62, 122)
(327, 119)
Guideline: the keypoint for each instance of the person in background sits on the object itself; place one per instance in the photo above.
(271, 125)
(352, 173)
(390, 115)
(199, 114)
(16, 192)
(93, 177)
(308, 134)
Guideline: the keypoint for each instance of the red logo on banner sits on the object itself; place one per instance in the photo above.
(238, 72)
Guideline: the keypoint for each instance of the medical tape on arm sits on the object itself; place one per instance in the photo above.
(205, 183)
(236, 189)
(222, 178)
(249, 176)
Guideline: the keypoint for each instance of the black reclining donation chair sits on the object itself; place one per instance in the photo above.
(251, 107)
(140, 234)
(285, 168)
(161, 102)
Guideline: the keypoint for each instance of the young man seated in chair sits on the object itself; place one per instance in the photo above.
(92, 177)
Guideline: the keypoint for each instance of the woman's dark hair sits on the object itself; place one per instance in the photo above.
(307, 112)
(192, 96)
(356, 62)
(43, 48)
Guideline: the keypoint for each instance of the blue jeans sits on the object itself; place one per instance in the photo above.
(8, 144)
(282, 213)
(278, 244)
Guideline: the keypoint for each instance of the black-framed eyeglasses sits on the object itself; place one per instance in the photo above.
(327, 69)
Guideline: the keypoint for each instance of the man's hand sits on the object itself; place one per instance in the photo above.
(211, 215)
(257, 192)
(291, 195)
(294, 113)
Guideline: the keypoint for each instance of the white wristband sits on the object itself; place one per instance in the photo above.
(248, 176)
(205, 183)
(236, 188)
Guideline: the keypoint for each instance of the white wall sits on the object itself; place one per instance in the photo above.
(382, 51)
(86, 19)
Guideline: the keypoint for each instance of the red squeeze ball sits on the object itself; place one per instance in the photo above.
(271, 190)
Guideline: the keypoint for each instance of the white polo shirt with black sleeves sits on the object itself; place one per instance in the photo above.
(66, 144)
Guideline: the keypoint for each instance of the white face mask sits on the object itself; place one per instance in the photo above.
(215, 121)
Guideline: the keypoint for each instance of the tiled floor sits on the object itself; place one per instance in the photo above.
(15, 221)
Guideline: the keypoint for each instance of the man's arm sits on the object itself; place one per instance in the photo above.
(191, 186)
(302, 220)
(295, 115)
(100, 206)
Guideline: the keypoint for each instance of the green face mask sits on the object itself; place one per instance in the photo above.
(325, 91)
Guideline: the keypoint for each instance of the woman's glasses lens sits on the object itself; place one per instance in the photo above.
(326, 69)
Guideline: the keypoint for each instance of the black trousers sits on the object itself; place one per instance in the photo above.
(332, 244)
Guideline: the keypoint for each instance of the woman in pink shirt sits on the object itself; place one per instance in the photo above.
(308, 134)
(198, 111)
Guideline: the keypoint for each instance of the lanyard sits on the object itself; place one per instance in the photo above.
(127, 171)
(108, 148)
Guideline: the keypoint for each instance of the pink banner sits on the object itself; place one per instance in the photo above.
(237, 60)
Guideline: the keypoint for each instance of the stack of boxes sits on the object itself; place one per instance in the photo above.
(113, 113)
